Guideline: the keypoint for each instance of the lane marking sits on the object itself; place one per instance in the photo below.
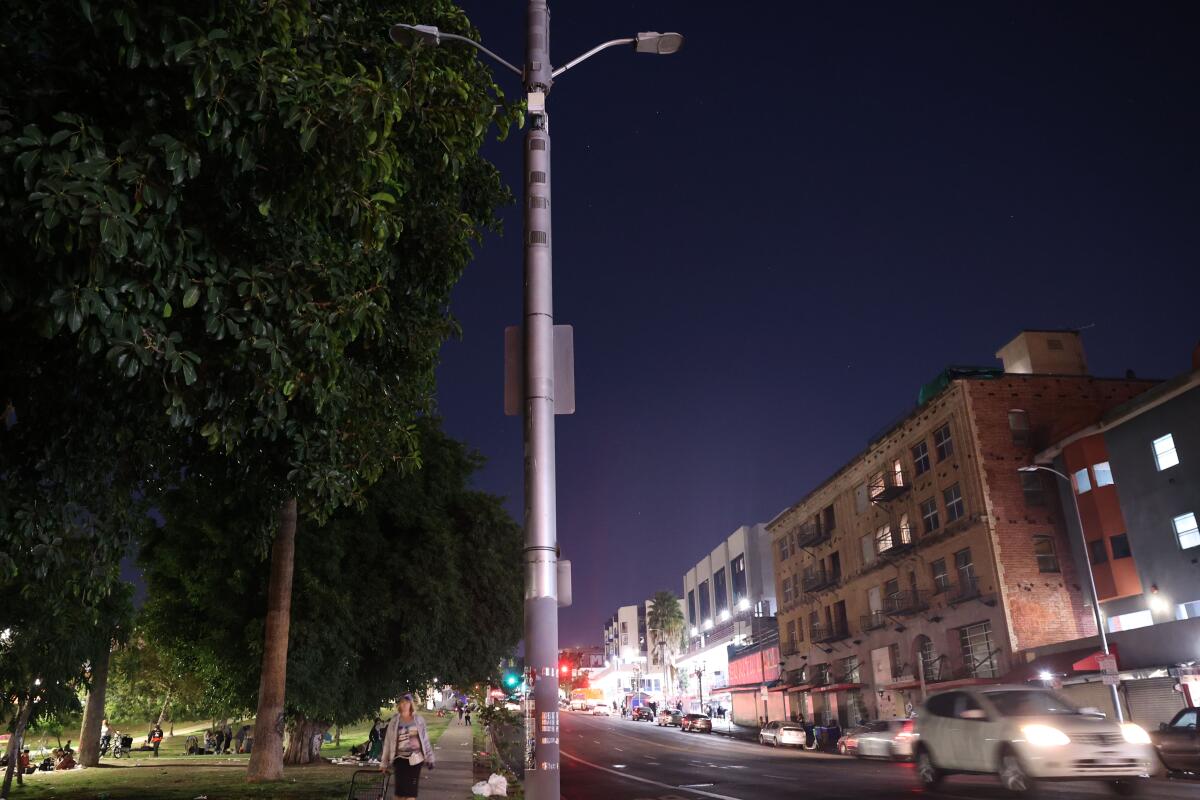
(660, 784)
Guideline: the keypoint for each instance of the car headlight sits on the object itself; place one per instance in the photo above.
(1044, 736)
(1134, 734)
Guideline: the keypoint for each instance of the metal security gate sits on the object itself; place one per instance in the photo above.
(1152, 700)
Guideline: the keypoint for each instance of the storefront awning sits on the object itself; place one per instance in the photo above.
(1059, 665)
(838, 687)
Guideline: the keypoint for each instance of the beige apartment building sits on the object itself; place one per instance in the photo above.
(928, 561)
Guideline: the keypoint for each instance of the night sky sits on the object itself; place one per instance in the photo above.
(768, 241)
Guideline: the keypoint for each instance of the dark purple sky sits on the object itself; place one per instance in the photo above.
(768, 241)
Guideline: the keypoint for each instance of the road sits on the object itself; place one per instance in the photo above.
(607, 758)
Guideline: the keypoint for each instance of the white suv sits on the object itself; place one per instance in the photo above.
(1024, 734)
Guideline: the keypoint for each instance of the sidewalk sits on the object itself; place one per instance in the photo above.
(726, 727)
(452, 776)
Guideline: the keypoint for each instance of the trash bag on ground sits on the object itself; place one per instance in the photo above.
(499, 785)
(481, 789)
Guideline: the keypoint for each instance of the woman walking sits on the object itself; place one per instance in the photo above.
(406, 748)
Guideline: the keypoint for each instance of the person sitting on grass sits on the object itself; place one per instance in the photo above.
(65, 760)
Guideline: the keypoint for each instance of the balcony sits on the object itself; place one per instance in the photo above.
(888, 485)
(818, 579)
(790, 649)
(810, 534)
(905, 604)
(873, 621)
(898, 539)
(823, 634)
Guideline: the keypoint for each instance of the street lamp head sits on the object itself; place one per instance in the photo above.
(409, 35)
(659, 44)
(1030, 468)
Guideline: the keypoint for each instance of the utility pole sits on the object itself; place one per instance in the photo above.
(541, 535)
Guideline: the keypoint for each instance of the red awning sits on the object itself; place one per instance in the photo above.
(1059, 665)
(838, 687)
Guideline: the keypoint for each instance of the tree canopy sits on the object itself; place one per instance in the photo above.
(422, 583)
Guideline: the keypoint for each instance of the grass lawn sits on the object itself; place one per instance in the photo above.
(176, 777)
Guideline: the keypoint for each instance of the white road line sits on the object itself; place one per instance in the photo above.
(627, 776)
(619, 749)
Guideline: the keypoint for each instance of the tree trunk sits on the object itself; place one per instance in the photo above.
(163, 714)
(337, 736)
(266, 759)
(93, 712)
(18, 736)
(304, 736)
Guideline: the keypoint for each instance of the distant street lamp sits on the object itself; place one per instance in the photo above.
(699, 673)
(541, 540)
(1087, 563)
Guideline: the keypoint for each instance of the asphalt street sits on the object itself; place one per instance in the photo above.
(608, 758)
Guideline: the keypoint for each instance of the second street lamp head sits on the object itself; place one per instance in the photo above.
(660, 44)
(409, 35)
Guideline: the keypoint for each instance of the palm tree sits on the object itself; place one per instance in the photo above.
(665, 621)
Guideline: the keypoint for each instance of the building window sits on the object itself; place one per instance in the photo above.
(977, 650)
(1103, 473)
(929, 515)
(860, 498)
(705, 602)
(943, 442)
(941, 579)
(624, 627)
(1188, 610)
(692, 606)
(1096, 551)
(829, 521)
(883, 538)
(930, 660)
(1186, 530)
(784, 552)
(920, 455)
(799, 629)
(954, 503)
(1043, 550)
(791, 635)
(851, 672)
(1082, 484)
(1018, 423)
(720, 590)
(1165, 456)
(1033, 488)
(965, 567)
(624, 638)
(891, 588)
(867, 542)
(1127, 622)
(787, 590)
(1120, 546)
(738, 569)
(894, 658)
(877, 484)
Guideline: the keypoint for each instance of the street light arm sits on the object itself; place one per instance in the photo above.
(482, 49)
(1036, 467)
(589, 54)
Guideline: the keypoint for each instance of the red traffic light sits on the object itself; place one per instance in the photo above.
(564, 668)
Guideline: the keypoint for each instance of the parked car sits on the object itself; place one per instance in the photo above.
(668, 717)
(696, 722)
(601, 710)
(1024, 734)
(883, 738)
(641, 712)
(788, 734)
(1177, 742)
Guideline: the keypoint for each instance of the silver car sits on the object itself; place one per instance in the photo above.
(778, 733)
(1025, 734)
(883, 738)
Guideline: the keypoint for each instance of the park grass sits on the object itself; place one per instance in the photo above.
(176, 777)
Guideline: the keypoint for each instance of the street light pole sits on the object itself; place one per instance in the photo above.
(1087, 563)
(541, 537)
(538, 382)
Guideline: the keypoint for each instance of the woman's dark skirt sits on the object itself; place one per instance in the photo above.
(407, 777)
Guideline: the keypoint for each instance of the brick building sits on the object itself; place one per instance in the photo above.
(928, 560)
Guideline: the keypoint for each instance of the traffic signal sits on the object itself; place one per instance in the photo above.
(511, 679)
(564, 668)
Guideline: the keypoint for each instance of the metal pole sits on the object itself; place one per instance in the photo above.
(541, 570)
(1087, 562)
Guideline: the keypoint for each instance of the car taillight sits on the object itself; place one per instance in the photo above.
(906, 730)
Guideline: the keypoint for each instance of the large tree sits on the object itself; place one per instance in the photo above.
(422, 582)
(237, 224)
(665, 621)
